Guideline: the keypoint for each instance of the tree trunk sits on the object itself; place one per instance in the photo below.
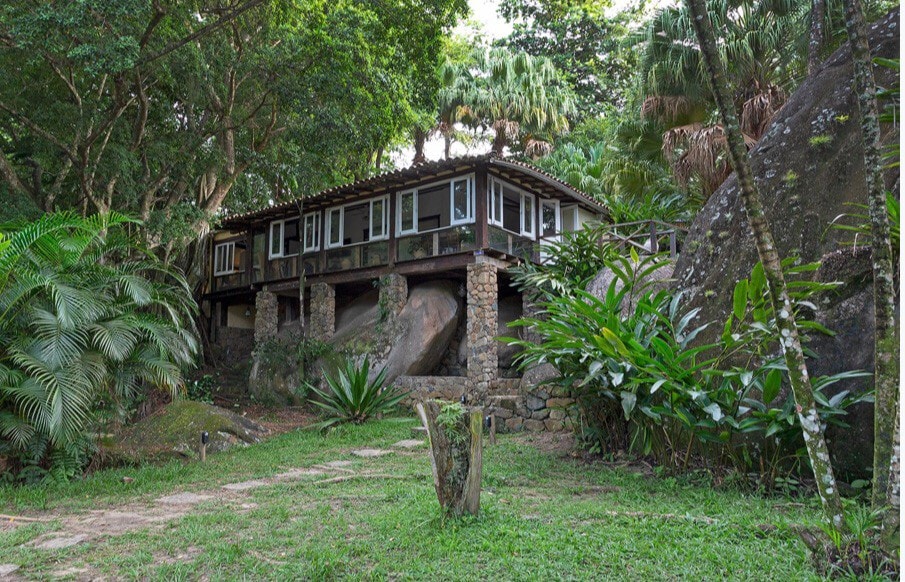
(815, 42)
(769, 257)
(891, 516)
(455, 457)
(886, 346)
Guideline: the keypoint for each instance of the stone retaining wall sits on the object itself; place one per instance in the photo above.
(536, 411)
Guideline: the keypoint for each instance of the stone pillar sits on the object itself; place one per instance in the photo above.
(481, 329)
(323, 311)
(529, 309)
(266, 317)
(394, 292)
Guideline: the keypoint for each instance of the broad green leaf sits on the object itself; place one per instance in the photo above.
(740, 299)
(772, 385)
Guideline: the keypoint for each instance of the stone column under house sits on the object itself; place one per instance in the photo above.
(529, 309)
(323, 311)
(266, 317)
(481, 329)
(394, 293)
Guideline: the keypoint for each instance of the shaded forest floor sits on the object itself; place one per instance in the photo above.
(360, 503)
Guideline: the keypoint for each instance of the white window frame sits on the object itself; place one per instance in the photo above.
(494, 220)
(521, 215)
(316, 225)
(492, 196)
(329, 227)
(282, 252)
(557, 217)
(414, 229)
(342, 222)
(229, 249)
(470, 204)
(385, 219)
(469, 201)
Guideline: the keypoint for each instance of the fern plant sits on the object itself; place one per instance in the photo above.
(351, 396)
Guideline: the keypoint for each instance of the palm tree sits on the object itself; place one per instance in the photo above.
(521, 98)
(886, 352)
(85, 313)
(759, 39)
(769, 257)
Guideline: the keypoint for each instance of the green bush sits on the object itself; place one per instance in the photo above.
(87, 316)
(352, 397)
(642, 383)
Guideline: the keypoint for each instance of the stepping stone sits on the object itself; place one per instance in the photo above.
(184, 499)
(371, 453)
(58, 543)
(419, 430)
(244, 485)
(296, 473)
(338, 464)
(7, 569)
(408, 443)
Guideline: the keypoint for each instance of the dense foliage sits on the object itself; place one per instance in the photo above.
(645, 381)
(88, 320)
(172, 111)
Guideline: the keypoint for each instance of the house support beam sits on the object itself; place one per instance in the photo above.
(394, 293)
(266, 317)
(530, 309)
(481, 328)
(323, 311)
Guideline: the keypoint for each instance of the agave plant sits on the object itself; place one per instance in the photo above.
(85, 314)
(353, 397)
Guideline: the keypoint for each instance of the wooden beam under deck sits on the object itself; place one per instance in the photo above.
(426, 266)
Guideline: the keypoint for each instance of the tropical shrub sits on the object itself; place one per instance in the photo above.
(87, 316)
(351, 396)
(575, 259)
(642, 383)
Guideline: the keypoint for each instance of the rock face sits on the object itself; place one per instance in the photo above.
(658, 280)
(413, 342)
(175, 431)
(809, 169)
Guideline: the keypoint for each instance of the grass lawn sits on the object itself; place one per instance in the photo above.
(544, 515)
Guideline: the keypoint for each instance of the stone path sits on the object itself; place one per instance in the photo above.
(96, 524)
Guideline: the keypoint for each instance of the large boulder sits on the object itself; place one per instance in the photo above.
(413, 342)
(809, 170)
(655, 281)
(175, 431)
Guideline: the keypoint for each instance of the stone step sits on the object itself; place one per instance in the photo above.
(419, 430)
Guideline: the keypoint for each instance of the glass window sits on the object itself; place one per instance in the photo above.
(312, 232)
(433, 208)
(284, 238)
(528, 215)
(461, 202)
(512, 210)
(379, 224)
(495, 203)
(334, 227)
(407, 212)
(548, 218)
(226, 260)
(356, 223)
(291, 240)
(276, 239)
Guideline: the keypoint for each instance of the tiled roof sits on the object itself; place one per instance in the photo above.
(415, 173)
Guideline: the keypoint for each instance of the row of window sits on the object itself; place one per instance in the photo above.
(420, 210)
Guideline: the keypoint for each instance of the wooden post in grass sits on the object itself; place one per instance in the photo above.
(455, 448)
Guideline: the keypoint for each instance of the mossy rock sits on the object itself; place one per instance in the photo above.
(175, 431)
